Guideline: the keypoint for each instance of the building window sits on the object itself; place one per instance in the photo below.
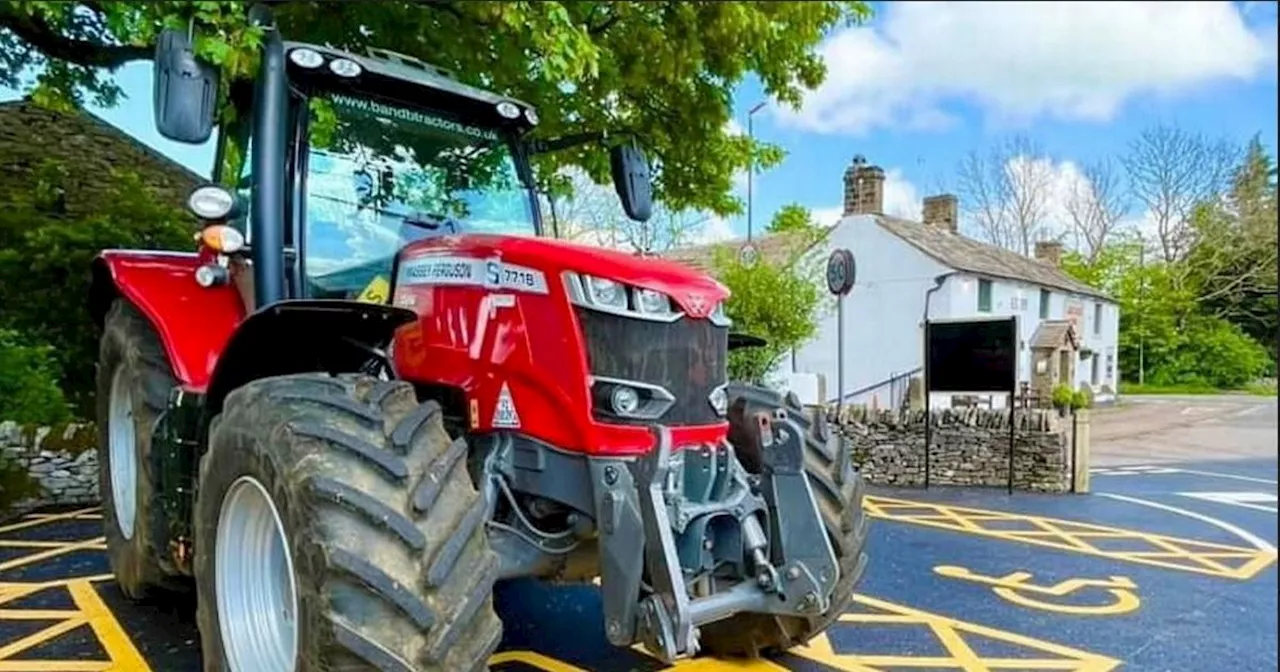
(1044, 304)
(1093, 377)
(1097, 318)
(984, 296)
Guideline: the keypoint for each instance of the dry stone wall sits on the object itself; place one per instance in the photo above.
(60, 463)
(969, 447)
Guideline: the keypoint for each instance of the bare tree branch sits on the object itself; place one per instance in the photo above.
(1170, 171)
(47, 40)
(1096, 204)
(594, 216)
(1006, 194)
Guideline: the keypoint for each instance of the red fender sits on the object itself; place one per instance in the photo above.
(194, 323)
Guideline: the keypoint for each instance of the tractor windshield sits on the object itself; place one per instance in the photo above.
(381, 175)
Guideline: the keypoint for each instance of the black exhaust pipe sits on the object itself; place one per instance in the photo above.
(271, 112)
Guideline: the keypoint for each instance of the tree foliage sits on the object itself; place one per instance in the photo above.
(663, 72)
(777, 299)
(791, 217)
(29, 391)
(46, 257)
(1199, 319)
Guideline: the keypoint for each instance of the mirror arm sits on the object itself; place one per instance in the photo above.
(566, 142)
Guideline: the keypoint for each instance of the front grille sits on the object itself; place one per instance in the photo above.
(686, 357)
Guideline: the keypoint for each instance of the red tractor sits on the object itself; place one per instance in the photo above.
(375, 389)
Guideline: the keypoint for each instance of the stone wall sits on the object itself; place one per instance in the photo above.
(969, 447)
(60, 461)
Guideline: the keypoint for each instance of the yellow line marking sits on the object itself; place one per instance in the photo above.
(43, 518)
(57, 666)
(1012, 587)
(534, 660)
(112, 637)
(38, 638)
(90, 610)
(22, 543)
(951, 634)
(1188, 555)
(87, 544)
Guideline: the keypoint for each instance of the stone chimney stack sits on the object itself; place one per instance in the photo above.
(1049, 251)
(863, 188)
(943, 212)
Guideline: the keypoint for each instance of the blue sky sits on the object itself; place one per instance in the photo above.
(922, 84)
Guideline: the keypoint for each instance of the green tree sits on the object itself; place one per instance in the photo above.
(790, 217)
(1232, 263)
(1163, 327)
(29, 390)
(778, 299)
(46, 257)
(663, 72)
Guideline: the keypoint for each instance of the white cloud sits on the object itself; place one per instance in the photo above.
(714, 230)
(1022, 60)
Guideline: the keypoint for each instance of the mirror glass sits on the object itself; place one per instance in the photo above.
(185, 93)
(632, 181)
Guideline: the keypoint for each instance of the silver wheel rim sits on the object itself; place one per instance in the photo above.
(256, 595)
(122, 452)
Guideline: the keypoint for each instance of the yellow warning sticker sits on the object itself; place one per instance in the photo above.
(377, 291)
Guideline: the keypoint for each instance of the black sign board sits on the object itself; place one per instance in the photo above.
(972, 355)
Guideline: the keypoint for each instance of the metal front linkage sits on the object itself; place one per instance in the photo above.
(702, 512)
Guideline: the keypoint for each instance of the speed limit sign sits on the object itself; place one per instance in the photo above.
(841, 272)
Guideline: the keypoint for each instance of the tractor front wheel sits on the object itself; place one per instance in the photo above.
(838, 491)
(134, 380)
(337, 528)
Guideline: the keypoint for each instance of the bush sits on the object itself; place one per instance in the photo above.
(1063, 396)
(777, 300)
(46, 253)
(29, 391)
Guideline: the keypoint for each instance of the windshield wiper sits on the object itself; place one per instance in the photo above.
(430, 221)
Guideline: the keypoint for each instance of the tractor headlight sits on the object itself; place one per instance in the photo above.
(306, 58)
(611, 296)
(630, 399)
(211, 202)
(652, 303)
(606, 293)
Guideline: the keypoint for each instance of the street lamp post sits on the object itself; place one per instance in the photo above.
(751, 164)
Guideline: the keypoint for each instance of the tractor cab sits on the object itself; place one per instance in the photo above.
(331, 162)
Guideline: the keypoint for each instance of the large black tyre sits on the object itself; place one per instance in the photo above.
(391, 561)
(838, 489)
(133, 372)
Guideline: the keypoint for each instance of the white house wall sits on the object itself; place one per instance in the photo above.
(1022, 299)
(882, 315)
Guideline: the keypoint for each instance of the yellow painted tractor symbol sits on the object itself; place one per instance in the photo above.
(1016, 588)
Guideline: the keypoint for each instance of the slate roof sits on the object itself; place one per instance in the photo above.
(774, 248)
(1054, 334)
(949, 249)
(966, 254)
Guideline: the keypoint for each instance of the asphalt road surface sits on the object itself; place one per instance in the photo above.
(1169, 564)
(1167, 429)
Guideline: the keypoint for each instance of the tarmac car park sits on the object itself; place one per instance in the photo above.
(1139, 575)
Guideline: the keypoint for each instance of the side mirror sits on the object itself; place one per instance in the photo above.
(185, 94)
(631, 179)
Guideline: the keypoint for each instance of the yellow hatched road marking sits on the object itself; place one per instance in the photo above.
(42, 518)
(87, 544)
(1188, 555)
(90, 610)
(956, 637)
